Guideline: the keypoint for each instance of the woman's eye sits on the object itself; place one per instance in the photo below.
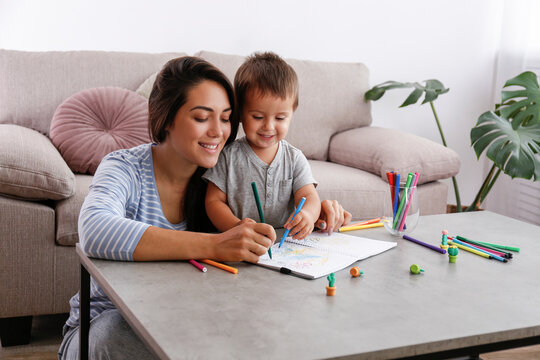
(200, 119)
(225, 120)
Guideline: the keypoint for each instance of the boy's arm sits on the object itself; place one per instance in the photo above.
(303, 223)
(217, 209)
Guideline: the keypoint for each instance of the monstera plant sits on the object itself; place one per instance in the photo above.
(431, 91)
(510, 135)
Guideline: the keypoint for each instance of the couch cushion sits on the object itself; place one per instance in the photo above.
(94, 122)
(67, 212)
(331, 100)
(146, 87)
(362, 193)
(31, 167)
(35, 83)
(378, 150)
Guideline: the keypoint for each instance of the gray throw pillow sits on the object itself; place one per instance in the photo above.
(31, 167)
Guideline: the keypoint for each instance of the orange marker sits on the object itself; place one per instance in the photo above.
(221, 266)
(372, 221)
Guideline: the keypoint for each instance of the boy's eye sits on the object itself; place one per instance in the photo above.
(280, 118)
(257, 117)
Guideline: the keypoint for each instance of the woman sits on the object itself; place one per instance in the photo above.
(147, 203)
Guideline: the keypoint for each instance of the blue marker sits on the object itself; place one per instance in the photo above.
(298, 208)
(396, 194)
(496, 257)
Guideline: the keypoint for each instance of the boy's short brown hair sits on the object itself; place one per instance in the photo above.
(266, 73)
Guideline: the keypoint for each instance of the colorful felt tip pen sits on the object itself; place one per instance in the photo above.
(259, 208)
(442, 251)
(493, 256)
(221, 266)
(360, 227)
(471, 250)
(197, 265)
(367, 222)
(298, 208)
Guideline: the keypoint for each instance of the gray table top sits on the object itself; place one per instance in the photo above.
(387, 312)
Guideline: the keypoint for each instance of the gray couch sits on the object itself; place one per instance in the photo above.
(40, 196)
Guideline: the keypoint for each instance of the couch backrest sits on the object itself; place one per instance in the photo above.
(33, 84)
(331, 100)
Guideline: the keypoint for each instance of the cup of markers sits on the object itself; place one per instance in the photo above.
(401, 211)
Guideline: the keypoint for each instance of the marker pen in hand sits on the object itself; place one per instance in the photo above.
(298, 208)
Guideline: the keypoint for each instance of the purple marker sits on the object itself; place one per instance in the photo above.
(442, 251)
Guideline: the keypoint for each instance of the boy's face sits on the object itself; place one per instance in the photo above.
(266, 119)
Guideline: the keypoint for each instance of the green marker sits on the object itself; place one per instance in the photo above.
(403, 201)
(415, 269)
(509, 248)
(259, 208)
(487, 245)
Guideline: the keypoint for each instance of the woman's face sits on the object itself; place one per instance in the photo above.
(201, 126)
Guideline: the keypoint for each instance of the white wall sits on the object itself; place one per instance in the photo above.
(454, 41)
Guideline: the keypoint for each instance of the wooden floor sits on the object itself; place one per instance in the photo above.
(47, 336)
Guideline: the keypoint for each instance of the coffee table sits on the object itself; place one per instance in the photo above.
(474, 306)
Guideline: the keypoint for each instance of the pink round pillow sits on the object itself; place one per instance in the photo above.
(92, 123)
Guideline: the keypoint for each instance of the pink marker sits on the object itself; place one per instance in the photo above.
(197, 265)
(416, 175)
(488, 250)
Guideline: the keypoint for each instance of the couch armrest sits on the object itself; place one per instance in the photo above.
(31, 167)
(378, 150)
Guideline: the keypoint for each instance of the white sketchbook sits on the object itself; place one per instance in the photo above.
(320, 254)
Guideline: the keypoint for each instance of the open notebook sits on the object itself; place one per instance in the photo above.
(320, 254)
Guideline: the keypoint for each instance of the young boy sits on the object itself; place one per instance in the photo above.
(266, 90)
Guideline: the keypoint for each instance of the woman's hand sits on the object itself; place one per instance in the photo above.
(301, 226)
(332, 216)
(244, 242)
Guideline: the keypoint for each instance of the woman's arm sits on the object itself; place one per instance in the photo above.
(245, 242)
(303, 223)
(104, 230)
(218, 210)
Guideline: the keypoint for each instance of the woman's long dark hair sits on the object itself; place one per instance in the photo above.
(168, 95)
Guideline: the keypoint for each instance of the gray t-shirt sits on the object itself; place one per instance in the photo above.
(238, 166)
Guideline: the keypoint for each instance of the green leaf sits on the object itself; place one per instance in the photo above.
(432, 90)
(413, 97)
(512, 150)
(521, 106)
(376, 92)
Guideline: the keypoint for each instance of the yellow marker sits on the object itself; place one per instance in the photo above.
(351, 228)
(221, 266)
(466, 248)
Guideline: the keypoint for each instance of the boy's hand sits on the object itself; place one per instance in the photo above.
(301, 226)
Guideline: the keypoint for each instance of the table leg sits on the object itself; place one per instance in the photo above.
(84, 313)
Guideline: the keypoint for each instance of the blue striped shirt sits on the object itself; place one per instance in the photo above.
(122, 203)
